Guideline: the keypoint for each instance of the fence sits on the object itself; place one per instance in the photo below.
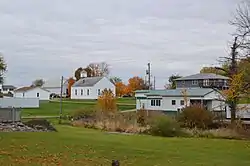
(19, 102)
(10, 114)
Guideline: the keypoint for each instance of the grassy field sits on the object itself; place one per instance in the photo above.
(53, 108)
(77, 146)
(120, 101)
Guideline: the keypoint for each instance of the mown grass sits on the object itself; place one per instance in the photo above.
(53, 108)
(77, 146)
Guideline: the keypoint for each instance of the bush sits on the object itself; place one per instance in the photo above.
(195, 117)
(82, 114)
(40, 124)
(141, 117)
(164, 126)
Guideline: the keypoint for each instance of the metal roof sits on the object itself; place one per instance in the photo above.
(87, 82)
(195, 92)
(9, 87)
(202, 76)
(27, 88)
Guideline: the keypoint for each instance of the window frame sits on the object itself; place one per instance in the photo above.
(173, 102)
(81, 92)
(76, 92)
(88, 92)
(194, 82)
(37, 94)
(182, 102)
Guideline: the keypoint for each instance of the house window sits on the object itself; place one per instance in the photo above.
(23, 94)
(76, 92)
(152, 102)
(173, 102)
(81, 91)
(37, 95)
(156, 102)
(88, 92)
(182, 102)
(99, 92)
(195, 82)
(206, 82)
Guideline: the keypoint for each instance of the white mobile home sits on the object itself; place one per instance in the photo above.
(32, 92)
(173, 100)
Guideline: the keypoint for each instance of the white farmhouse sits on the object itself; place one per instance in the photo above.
(54, 86)
(91, 87)
(32, 92)
(171, 101)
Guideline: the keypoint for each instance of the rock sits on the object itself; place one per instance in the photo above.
(20, 127)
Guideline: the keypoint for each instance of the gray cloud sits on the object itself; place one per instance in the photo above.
(51, 38)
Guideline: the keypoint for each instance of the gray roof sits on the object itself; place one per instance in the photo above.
(87, 82)
(193, 92)
(202, 76)
(9, 87)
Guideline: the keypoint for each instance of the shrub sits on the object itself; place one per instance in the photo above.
(195, 117)
(164, 126)
(141, 117)
(40, 124)
(82, 114)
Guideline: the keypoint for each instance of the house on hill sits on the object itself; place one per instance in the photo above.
(32, 92)
(203, 80)
(90, 87)
(54, 86)
(173, 100)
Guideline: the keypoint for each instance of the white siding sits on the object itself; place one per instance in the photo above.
(243, 111)
(104, 83)
(83, 95)
(167, 103)
(43, 94)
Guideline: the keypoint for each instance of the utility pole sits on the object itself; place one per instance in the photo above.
(60, 117)
(154, 82)
(148, 72)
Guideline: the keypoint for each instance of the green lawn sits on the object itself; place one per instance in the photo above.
(78, 146)
(127, 100)
(53, 108)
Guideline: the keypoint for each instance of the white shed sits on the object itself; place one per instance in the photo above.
(32, 92)
(91, 87)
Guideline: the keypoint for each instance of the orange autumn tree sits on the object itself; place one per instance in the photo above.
(135, 83)
(107, 102)
(120, 89)
(71, 81)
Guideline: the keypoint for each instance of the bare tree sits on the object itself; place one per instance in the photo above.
(98, 69)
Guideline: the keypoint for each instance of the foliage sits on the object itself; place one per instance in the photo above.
(78, 73)
(195, 116)
(38, 83)
(215, 70)
(41, 123)
(3, 68)
(98, 69)
(135, 83)
(141, 117)
(120, 89)
(71, 81)
(172, 82)
(165, 126)
(107, 101)
(82, 113)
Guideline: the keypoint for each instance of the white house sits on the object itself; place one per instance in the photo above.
(32, 92)
(172, 100)
(90, 87)
(54, 86)
(5, 89)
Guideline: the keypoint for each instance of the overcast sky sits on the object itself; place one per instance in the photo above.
(50, 38)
